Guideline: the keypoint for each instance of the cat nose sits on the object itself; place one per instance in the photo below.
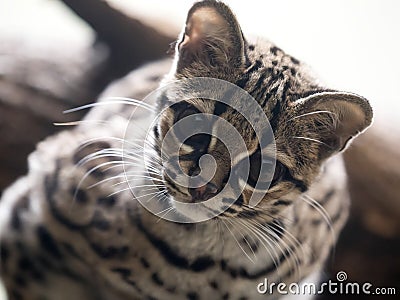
(203, 192)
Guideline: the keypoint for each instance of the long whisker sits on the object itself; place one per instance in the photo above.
(266, 242)
(244, 238)
(237, 242)
(310, 139)
(312, 113)
(319, 208)
(115, 100)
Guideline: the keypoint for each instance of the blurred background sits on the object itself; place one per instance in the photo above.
(58, 54)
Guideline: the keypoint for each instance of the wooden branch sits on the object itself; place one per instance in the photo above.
(131, 43)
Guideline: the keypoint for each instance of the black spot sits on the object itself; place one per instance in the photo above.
(229, 210)
(192, 296)
(188, 226)
(294, 60)
(257, 65)
(111, 251)
(80, 196)
(225, 296)
(233, 273)
(214, 285)
(336, 216)
(293, 71)
(316, 222)
(51, 186)
(156, 279)
(220, 108)
(239, 200)
(108, 201)
(202, 263)
(274, 50)
(250, 243)
(282, 202)
(20, 280)
(25, 263)
(251, 47)
(248, 214)
(156, 133)
(4, 254)
(123, 271)
(47, 242)
(223, 265)
(327, 197)
(171, 289)
(144, 262)
(243, 81)
(277, 227)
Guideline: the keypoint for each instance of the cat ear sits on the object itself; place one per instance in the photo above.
(212, 39)
(334, 118)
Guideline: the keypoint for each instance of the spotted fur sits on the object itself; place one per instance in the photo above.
(67, 238)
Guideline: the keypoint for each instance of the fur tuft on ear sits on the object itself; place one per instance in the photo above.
(212, 39)
(335, 118)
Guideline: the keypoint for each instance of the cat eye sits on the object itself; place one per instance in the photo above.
(184, 128)
(263, 171)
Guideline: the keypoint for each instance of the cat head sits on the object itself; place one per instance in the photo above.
(309, 122)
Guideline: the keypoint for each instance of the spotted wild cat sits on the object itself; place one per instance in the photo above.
(72, 229)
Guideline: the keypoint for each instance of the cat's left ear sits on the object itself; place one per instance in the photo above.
(212, 39)
(334, 118)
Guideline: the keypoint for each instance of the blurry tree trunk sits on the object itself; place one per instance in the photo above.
(38, 83)
(130, 42)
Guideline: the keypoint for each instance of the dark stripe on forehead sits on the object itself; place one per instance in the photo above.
(156, 133)
(257, 65)
(275, 114)
(259, 83)
(220, 108)
(163, 100)
(246, 77)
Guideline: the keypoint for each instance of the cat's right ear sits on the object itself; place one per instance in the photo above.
(211, 41)
(334, 119)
